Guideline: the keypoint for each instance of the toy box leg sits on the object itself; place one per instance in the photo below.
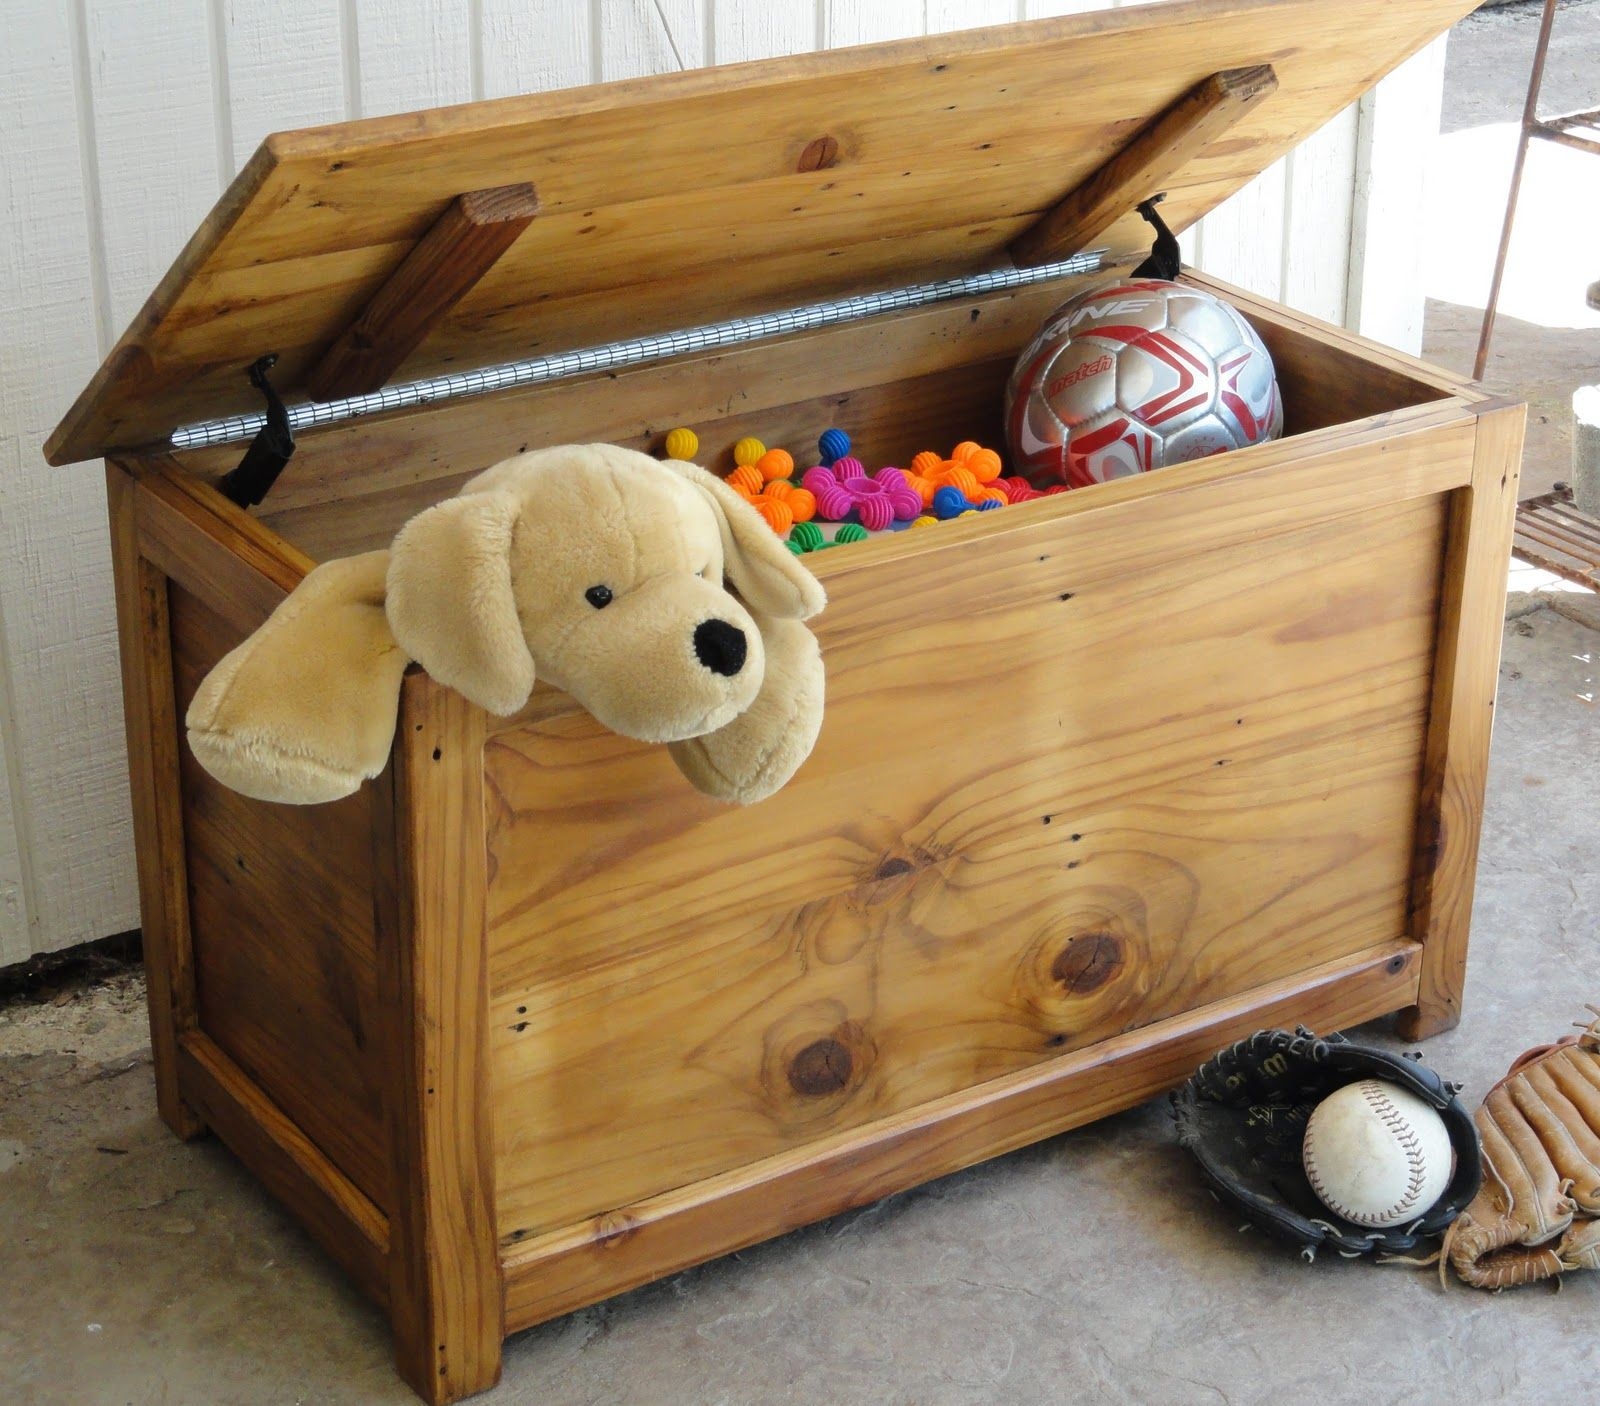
(1471, 621)
(446, 1301)
(150, 713)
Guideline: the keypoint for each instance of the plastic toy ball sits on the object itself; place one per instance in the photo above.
(833, 445)
(682, 444)
(850, 532)
(925, 522)
(877, 502)
(775, 463)
(926, 463)
(806, 537)
(948, 503)
(984, 464)
(748, 451)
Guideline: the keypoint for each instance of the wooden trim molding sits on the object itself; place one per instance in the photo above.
(1465, 678)
(445, 1285)
(150, 714)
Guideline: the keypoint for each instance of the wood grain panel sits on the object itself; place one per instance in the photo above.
(1466, 677)
(280, 899)
(888, 425)
(953, 142)
(627, 1246)
(1017, 835)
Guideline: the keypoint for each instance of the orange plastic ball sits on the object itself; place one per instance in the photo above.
(775, 463)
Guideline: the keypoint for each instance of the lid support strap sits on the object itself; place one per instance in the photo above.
(252, 478)
(446, 263)
(1152, 157)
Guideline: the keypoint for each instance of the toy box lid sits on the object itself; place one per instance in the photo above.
(398, 247)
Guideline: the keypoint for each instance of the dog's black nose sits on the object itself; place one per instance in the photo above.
(720, 647)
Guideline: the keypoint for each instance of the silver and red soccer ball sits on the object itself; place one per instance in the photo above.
(1135, 375)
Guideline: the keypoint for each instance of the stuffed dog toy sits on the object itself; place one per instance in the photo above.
(598, 569)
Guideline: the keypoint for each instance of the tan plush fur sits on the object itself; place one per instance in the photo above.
(304, 709)
(499, 586)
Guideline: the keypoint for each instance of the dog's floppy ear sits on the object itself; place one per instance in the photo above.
(764, 571)
(450, 602)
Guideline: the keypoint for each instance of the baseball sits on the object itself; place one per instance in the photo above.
(1376, 1154)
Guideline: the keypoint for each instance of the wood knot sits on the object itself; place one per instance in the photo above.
(893, 867)
(1087, 962)
(822, 1067)
(819, 155)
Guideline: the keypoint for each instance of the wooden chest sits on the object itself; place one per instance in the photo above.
(1106, 780)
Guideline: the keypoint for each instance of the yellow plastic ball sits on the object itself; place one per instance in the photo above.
(682, 444)
(748, 451)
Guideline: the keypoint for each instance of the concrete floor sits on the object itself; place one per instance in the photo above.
(1091, 1267)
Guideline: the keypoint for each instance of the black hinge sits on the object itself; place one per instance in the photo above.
(1166, 259)
(269, 451)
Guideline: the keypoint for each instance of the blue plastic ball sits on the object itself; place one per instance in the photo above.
(949, 502)
(833, 445)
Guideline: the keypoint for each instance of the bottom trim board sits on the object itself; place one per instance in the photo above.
(619, 1250)
(334, 1212)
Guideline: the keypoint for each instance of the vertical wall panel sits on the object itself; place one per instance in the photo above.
(650, 36)
(1043, 9)
(413, 54)
(1394, 148)
(868, 21)
(14, 944)
(1320, 189)
(763, 29)
(1242, 239)
(156, 136)
(947, 15)
(285, 68)
(533, 45)
(70, 878)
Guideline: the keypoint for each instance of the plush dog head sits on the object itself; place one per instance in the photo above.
(605, 572)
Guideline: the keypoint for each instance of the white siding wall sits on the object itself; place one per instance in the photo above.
(122, 120)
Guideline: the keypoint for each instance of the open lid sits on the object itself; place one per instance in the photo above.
(687, 198)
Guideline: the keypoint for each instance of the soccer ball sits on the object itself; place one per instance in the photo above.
(1135, 375)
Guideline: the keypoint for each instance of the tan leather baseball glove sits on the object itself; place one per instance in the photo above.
(1536, 1215)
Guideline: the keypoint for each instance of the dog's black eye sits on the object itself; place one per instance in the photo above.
(598, 596)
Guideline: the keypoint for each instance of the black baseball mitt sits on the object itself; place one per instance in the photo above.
(1243, 1115)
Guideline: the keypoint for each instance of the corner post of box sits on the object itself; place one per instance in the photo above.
(150, 716)
(446, 1298)
(1456, 758)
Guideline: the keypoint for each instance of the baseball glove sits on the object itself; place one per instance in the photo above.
(1536, 1214)
(1243, 1116)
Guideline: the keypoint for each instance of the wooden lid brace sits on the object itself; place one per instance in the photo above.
(1155, 154)
(441, 269)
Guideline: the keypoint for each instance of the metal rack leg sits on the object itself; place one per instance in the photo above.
(1530, 120)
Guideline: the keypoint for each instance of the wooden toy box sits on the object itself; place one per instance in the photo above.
(1107, 779)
